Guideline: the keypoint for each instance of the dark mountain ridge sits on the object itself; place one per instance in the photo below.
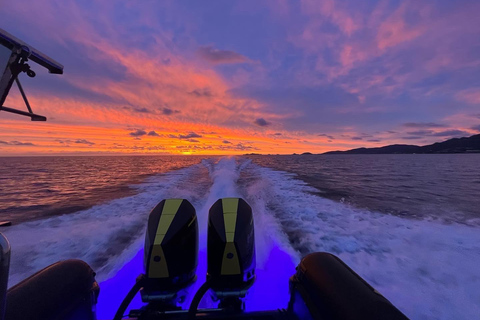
(455, 145)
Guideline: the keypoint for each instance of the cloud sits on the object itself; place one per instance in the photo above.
(138, 133)
(471, 96)
(451, 133)
(374, 140)
(83, 141)
(357, 138)
(477, 127)
(153, 134)
(423, 125)
(396, 29)
(142, 110)
(186, 136)
(220, 56)
(202, 93)
(445, 133)
(17, 143)
(421, 132)
(277, 134)
(326, 135)
(226, 141)
(167, 111)
(261, 122)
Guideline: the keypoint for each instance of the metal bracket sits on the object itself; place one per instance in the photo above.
(20, 65)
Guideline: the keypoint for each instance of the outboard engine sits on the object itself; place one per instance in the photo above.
(171, 250)
(230, 250)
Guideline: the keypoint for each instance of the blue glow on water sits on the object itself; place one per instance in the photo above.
(269, 292)
(114, 290)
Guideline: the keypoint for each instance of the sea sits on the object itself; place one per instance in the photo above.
(408, 224)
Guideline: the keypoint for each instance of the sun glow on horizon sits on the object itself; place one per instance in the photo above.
(347, 76)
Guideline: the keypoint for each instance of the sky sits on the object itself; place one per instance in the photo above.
(235, 77)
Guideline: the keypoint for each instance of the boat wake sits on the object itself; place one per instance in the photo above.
(427, 269)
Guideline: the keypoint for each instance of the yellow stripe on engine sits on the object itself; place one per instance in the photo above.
(230, 264)
(159, 268)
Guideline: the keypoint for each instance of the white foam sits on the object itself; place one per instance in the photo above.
(105, 236)
(427, 269)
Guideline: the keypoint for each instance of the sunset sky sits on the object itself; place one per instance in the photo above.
(234, 77)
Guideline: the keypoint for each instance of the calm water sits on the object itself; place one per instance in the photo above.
(408, 224)
(427, 186)
(37, 187)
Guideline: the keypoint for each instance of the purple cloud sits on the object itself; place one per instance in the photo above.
(206, 92)
(261, 122)
(191, 135)
(423, 125)
(217, 56)
(83, 141)
(153, 134)
(167, 111)
(19, 143)
(138, 133)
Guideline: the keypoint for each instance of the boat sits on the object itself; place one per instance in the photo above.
(323, 287)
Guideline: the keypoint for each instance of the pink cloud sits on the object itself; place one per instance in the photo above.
(332, 11)
(471, 96)
(395, 30)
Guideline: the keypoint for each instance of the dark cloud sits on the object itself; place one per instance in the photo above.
(261, 122)
(420, 132)
(206, 92)
(451, 133)
(142, 110)
(357, 138)
(423, 125)
(226, 141)
(167, 111)
(412, 138)
(374, 140)
(191, 135)
(445, 133)
(3, 142)
(216, 56)
(18, 143)
(153, 134)
(477, 128)
(326, 135)
(277, 134)
(83, 141)
(241, 146)
(138, 133)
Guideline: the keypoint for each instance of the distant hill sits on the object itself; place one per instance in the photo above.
(455, 145)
